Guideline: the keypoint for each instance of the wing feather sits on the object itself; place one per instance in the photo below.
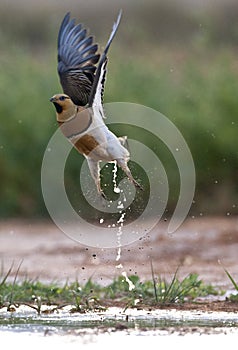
(77, 59)
(100, 76)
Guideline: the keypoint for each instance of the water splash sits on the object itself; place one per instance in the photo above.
(130, 283)
(120, 222)
(119, 235)
(119, 257)
(114, 173)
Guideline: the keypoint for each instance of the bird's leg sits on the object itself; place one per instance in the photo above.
(95, 173)
(123, 141)
(123, 164)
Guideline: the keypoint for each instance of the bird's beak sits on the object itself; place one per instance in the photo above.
(52, 99)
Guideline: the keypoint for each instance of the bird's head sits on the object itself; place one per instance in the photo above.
(65, 108)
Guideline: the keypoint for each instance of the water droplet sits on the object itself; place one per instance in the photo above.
(121, 220)
(119, 266)
(118, 253)
(130, 283)
(114, 171)
(120, 206)
(101, 221)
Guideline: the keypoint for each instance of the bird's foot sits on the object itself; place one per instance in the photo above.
(137, 185)
(102, 194)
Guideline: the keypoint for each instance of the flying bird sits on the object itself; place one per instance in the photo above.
(79, 110)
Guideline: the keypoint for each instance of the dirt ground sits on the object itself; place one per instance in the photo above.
(49, 255)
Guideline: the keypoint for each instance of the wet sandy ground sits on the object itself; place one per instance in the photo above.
(49, 255)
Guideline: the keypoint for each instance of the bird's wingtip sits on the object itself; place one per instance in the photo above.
(68, 14)
(120, 14)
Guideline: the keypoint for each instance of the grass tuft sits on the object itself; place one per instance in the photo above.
(232, 297)
(94, 297)
(231, 279)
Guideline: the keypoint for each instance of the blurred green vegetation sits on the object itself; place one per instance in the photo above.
(189, 73)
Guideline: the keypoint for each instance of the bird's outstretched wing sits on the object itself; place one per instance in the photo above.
(77, 59)
(96, 95)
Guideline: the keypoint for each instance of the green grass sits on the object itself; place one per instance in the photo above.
(93, 297)
(232, 297)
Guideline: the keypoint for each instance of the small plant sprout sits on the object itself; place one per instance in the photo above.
(233, 297)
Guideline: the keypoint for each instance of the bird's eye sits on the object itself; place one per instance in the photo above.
(62, 98)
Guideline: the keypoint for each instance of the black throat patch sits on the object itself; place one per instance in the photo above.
(58, 108)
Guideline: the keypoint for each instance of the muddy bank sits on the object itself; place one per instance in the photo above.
(48, 254)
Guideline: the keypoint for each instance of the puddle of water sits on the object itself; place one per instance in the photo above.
(24, 319)
(137, 328)
(123, 339)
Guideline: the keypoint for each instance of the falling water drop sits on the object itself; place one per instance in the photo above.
(130, 283)
(120, 222)
(114, 172)
(119, 234)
